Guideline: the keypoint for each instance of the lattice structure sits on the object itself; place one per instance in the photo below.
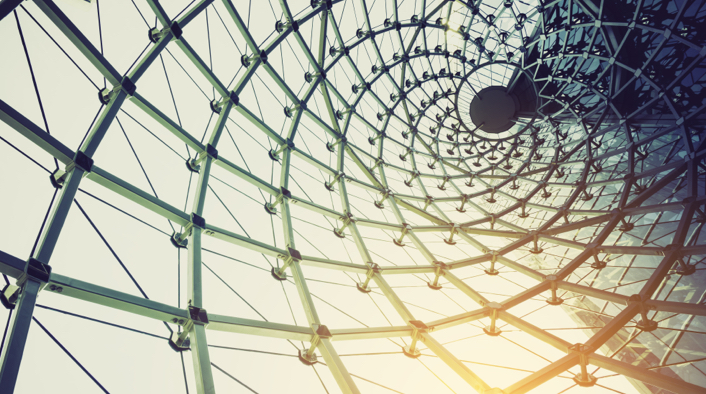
(337, 165)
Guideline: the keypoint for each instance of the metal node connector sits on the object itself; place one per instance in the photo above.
(554, 300)
(583, 379)
(274, 154)
(280, 273)
(363, 287)
(405, 229)
(307, 356)
(493, 259)
(9, 296)
(418, 328)
(493, 330)
(271, 207)
(438, 272)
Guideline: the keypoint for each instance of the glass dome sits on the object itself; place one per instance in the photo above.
(353, 196)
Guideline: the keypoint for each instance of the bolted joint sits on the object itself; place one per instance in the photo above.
(438, 272)
(428, 202)
(464, 199)
(552, 279)
(194, 165)
(271, 207)
(363, 287)
(294, 256)
(415, 174)
(217, 105)
(347, 220)
(180, 240)
(282, 26)
(35, 270)
(274, 154)
(197, 221)
(10, 294)
(289, 111)
(341, 114)
(246, 61)
(470, 179)
(493, 308)
(329, 185)
(381, 115)
(405, 229)
(155, 34)
(380, 135)
(645, 324)
(180, 341)
(535, 238)
(81, 161)
(307, 356)
(443, 184)
(310, 77)
(597, 262)
(362, 34)
(198, 315)
(493, 259)
(385, 195)
(331, 146)
(450, 239)
(362, 87)
(335, 51)
(583, 379)
(683, 268)
(327, 4)
(418, 328)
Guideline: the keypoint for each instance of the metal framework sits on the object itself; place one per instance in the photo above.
(594, 204)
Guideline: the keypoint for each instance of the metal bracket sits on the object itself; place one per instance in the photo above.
(274, 154)
(493, 330)
(385, 195)
(271, 208)
(438, 271)
(155, 34)
(405, 229)
(583, 379)
(329, 185)
(493, 260)
(180, 240)
(194, 165)
(597, 263)
(279, 273)
(347, 220)
(10, 294)
(307, 356)
(81, 161)
(374, 269)
(179, 341)
(645, 324)
(535, 240)
(418, 328)
(37, 271)
(450, 239)
(554, 300)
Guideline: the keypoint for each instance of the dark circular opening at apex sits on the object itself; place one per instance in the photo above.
(494, 110)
